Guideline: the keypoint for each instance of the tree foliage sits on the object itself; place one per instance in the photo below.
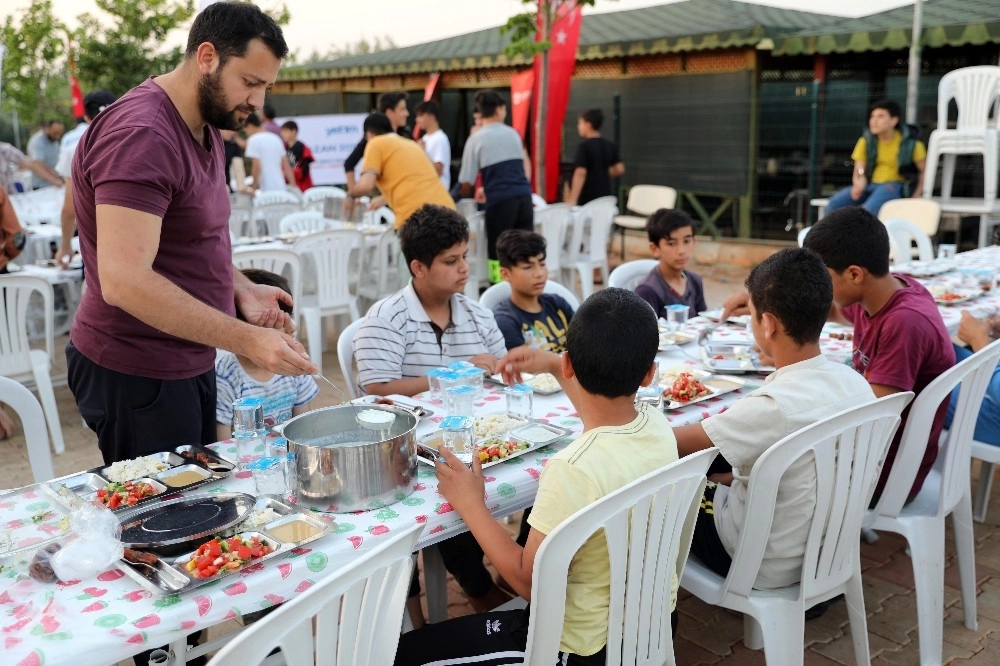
(360, 47)
(34, 78)
(523, 28)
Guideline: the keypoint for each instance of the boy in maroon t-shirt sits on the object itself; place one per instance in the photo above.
(900, 340)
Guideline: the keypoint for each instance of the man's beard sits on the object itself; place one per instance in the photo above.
(212, 104)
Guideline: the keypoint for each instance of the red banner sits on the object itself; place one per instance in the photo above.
(77, 94)
(520, 100)
(564, 35)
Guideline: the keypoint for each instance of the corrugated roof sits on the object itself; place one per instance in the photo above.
(946, 23)
(683, 26)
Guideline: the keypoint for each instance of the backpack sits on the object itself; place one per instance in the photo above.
(907, 169)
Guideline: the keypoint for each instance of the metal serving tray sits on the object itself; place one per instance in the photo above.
(427, 446)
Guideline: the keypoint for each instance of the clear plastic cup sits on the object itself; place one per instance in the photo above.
(460, 400)
(473, 377)
(248, 430)
(268, 475)
(677, 316)
(434, 381)
(458, 434)
(519, 400)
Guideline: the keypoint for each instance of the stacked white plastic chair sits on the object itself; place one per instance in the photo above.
(19, 399)
(631, 273)
(240, 214)
(270, 208)
(304, 222)
(588, 242)
(283, 262)
(552, 222)
(315, 198)
(383, 274)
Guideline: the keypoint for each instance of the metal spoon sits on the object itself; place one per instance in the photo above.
(336, 388)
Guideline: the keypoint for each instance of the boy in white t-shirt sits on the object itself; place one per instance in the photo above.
(435, 141)
(271, 170)
(238, 377)
(790, 297)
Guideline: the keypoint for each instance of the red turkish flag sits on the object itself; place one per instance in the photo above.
(77, 94)
(520, 100)
(564, 35)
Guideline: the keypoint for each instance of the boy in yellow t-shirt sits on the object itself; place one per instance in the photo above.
(610, 349)
(888, 162)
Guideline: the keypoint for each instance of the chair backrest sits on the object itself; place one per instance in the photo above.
(803, 232)
(478, 256)
(286, 263)
(380, 216)
(975, 91)
(903, 234)
(551, 222)
(645, 200)
(924, 213)
(315, 197)
(15, 294)
(847, 451)
(269, 215)
(973, 374)
(350, 617)
(36, 438)
(500, 291)
(275, 197)
(631, 273)
(332, 253)
(306, 221)
(597, 215)
(538, 201)
(647, 526)
(382, 270)
(345, 355)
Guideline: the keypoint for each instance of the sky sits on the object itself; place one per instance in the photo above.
(320, 24)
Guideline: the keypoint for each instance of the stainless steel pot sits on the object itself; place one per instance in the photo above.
(342, 466)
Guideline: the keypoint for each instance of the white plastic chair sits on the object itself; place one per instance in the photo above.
(315, 198)
(987, 455)
(803, 232)
(499, 292)
(924, 213)
(643, 201)
(349, 617)
(336, 256)
(903, 234)
(379, 216)
(647, 526)
(270, 207)
(946, 490)
(631, 273)
(286, 263)
(538, 201)
(846, 450)
(240, 213)
(23, 403)
(345, 356)
(477, 256)
(302, 222)
(383, 272)
(17, 359)
(976, 91)
(551, 222)
(597, 215)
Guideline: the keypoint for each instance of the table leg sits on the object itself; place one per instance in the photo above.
(436, 583)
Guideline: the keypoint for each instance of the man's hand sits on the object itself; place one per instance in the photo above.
(259, 305)
(376, 203)
(975, 332)
(858, 188)
(280, 353)
(480, 196)
(464, 488)
(63, 255)
(737, 304)
(487, 362)
(527, 359)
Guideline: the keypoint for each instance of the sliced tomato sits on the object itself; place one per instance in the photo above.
(243, 552)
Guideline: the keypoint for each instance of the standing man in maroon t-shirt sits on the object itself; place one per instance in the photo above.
(153, 209)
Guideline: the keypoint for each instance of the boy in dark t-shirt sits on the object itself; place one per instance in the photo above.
(596, 162)
(529, 316)
(671, 238)
(299, 155)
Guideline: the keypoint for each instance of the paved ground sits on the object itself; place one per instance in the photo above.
(708, 635)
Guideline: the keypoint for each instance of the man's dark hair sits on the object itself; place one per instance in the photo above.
(889, 106)
(377, 124)
(666, 221)
(595, 117)
(260, 276)
(254, 119)
(515, 246)
(850, 236)
(487, 103)
(428, 108)
(795, 287)
(290, 125)
(612, 342)
(429, 231)
(268, 112)
(52, 121)
(96, 101)
(389, 100)
(230, 26)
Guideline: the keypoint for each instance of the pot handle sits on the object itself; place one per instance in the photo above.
(278, 429)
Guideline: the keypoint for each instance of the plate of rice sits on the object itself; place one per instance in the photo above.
(127, 470)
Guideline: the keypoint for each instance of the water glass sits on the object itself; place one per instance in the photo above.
(248, 415)
(434, 382)
(519, 400)
(677, 316)
(460, 400)
(946, 250)
(268, 475)
(458, 434)
(473, 377)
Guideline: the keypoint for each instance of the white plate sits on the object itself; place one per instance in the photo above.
(732, 357)
(539, 383)
(716, 384)
(716, 313)
(925, 268)
(961, 295)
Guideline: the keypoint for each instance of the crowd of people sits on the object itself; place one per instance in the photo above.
(168, 327)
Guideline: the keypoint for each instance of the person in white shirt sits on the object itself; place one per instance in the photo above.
(435, 141)
(271, 170)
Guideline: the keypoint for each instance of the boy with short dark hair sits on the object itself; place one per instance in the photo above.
(900, 340)
(790, 297)
(529, 316)
(596, 162)
(435, 141)
(299, 155)
(610, 352)
(671, 239)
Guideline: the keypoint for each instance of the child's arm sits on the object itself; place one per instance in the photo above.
(223, 431)
(691, 439)
(407, 386)
(464, 489)
(301, 409)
